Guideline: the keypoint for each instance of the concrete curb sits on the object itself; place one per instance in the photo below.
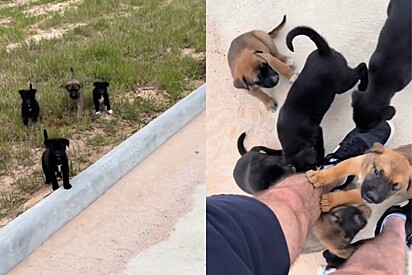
(27, 232)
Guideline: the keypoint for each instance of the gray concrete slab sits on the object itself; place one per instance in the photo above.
(150, 222)
(351, 27)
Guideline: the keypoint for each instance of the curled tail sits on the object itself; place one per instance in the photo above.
(321, 44)
(276, 30)
(240, 147)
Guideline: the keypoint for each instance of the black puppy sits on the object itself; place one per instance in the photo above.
(325, 74)
(260, 168)
(29, 107)
(55, 162)
(101, 96)
(389, 68)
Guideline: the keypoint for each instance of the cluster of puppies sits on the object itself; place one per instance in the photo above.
(256, 63)
(55, 162)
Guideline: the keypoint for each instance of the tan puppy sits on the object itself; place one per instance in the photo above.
(337, 228)
(381, 172)
(255, 62)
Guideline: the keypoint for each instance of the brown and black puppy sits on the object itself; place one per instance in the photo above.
(74, 88)
(260, 168)
(255, 63)
(381, 173)
(390, 68)
(336, 229)
(325, 74)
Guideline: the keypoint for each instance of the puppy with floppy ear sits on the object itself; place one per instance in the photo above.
(336, 229)
(255, 63)
(381, 173)
(260, 168)
(74, 88)
(101, 97)
(55, 162)
(29, 107)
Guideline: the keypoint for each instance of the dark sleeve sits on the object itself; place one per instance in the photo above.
(243, 236)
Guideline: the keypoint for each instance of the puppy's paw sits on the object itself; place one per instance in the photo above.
(293, 78)
(110, 111)
(98, 113)
(67, 186)
(272, 107)
(314, 178)
(55, 187)
(291, 63)
(326, 203)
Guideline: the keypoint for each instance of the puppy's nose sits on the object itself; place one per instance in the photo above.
(275, 79)
(371, 197)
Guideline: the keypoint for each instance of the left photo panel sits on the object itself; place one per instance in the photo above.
(102, 107)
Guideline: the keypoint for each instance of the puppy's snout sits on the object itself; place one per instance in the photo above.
(371, 197)
(274, 79)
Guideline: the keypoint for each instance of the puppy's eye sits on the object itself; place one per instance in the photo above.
(395, 187)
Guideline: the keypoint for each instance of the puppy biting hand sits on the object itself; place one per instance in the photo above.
(74, 88)
(55, 162)
(30, 107)
(101, 96)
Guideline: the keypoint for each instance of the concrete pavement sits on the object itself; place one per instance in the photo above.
(145, 223)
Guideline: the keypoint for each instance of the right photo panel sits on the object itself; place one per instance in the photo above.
(308, 137)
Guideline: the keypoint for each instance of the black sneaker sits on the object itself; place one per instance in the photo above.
(356, 143)
(405, 210)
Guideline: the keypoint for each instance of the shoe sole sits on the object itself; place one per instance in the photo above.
(390, 123)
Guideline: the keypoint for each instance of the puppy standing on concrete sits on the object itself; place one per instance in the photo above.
(325, 74)
(260, 168)
(74, 88)
(29, 107)
(389, 68)
(55, 162)
(255, 61)
(101, 97)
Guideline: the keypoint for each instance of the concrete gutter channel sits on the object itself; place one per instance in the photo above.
(23, 235)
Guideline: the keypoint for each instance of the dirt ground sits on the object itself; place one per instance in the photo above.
(351, 27)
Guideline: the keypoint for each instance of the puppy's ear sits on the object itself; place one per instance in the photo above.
(95, 83)
(21, 92)
(376, 148)
(388, 112)
(66, 141)
(356, 96)
(106, 84)
(240, 83)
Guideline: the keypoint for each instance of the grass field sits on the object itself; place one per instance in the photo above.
(151, 52)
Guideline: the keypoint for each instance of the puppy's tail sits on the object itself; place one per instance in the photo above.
(321, 44)
(73, 74)
(46, 136)
(240, 147)
(277, 29)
